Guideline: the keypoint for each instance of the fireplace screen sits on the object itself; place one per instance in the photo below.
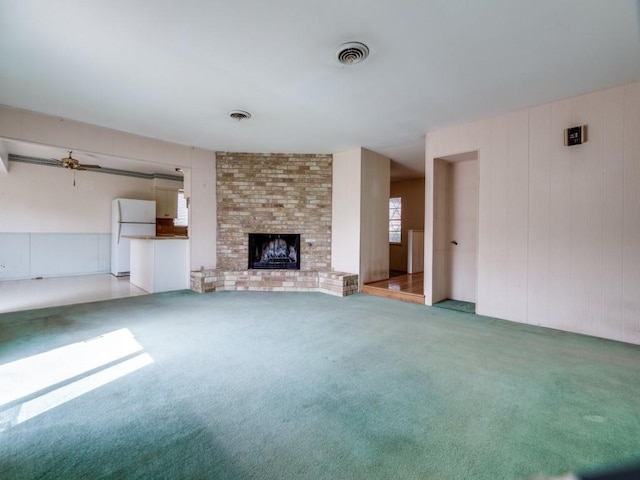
(277, 251)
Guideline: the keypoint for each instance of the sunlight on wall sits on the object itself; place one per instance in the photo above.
(27, 376)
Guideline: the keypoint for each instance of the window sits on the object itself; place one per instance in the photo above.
(395, 220)
(182, 220)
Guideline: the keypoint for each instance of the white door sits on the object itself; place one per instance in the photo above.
(463, 232)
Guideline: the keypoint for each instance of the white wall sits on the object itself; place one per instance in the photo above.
(374, 217)
(16, 124)
(359, 217)
(345, 212)
(559, 227)
(36, 198)
(51, 228)
(202, 210)
(4, 158)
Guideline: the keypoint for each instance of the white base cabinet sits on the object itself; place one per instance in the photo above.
(160, 264)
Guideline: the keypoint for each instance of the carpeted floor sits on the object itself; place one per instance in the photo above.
(276, 385)
(458, 305)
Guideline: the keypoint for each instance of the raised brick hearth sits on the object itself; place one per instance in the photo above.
(334, 283)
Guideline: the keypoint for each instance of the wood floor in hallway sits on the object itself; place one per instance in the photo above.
(408, 288)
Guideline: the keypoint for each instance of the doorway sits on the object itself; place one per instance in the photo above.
(456, 188)
(406, 244)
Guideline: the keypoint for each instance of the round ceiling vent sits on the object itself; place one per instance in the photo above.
(352, 53)
(239, 115)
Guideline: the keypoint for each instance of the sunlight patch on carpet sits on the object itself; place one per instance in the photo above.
(67, 367)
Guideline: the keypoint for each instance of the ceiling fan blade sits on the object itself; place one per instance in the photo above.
(85, 166)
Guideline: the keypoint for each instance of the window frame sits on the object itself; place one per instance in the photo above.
(186, 209)
(397, 231)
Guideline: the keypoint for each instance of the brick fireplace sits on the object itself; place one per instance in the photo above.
(276, 194)
(287, 196)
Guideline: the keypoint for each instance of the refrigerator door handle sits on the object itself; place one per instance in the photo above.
(119, 231)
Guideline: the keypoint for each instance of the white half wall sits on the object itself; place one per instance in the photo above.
(558, 227)
(31, 255)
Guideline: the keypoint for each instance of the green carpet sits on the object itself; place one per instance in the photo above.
(458, 305)
(302, 385)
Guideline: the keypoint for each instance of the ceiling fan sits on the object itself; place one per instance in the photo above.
(73, 164)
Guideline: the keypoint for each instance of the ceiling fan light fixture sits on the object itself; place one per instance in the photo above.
(239, 115)
(351, 53)
(73, 164)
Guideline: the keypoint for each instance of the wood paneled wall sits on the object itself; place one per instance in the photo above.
(559, 227)
(374, 216)
(359, 223)
(412, 194)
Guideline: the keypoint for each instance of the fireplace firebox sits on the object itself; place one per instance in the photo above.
(274, 251)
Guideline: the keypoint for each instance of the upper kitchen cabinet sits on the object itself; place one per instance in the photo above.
(166, 203)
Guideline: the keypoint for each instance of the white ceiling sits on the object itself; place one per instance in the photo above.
(173, 70)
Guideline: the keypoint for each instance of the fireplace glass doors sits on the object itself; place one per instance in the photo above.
(274, 251)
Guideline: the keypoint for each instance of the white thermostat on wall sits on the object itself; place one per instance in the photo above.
(575, 135)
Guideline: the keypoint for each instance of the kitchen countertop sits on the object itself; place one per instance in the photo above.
(153, 237)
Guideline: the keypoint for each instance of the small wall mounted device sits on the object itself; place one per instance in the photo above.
(575, 135)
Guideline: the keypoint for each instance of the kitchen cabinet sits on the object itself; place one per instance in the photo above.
(160, 264)
(166, 203)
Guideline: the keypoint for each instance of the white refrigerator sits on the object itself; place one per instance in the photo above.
(129, 217)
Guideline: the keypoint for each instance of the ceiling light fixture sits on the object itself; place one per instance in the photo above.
(239, 115)
(352, 52)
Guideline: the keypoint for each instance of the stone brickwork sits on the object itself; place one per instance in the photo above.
(334, 283)
(274, 193)
(338, 283)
